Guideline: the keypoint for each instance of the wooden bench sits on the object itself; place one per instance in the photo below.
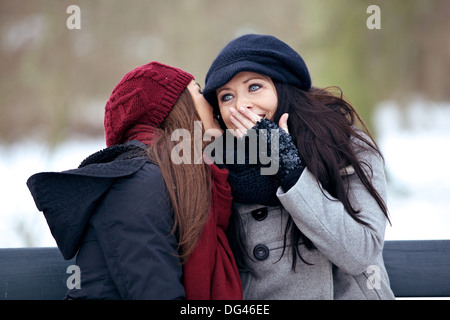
(417, 268)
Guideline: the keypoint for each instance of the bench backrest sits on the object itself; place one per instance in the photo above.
(416, 269)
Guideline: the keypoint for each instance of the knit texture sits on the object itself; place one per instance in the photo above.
(211, 272)
(144, 96)
(262, 54)
(288, 158)
(248, 185)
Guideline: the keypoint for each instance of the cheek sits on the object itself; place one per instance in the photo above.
(225, 114)
(272, 107)
(205, 110)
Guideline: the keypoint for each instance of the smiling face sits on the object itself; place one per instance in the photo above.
(248, 90)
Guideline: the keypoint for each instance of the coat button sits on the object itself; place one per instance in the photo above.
(259, 214)
(261, 252)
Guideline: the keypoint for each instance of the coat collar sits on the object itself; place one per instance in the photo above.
(68, 198)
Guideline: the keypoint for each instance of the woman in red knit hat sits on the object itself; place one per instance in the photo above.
(141, 226)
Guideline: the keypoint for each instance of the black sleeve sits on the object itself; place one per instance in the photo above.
(291, 179)
(133, 225)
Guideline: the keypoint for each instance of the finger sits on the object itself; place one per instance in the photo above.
(283, 122)
(250, 114)
(246, 122)
(240, 130)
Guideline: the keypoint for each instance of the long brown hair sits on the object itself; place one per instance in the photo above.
(188, 184)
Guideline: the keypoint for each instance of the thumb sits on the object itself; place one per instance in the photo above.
(283, 122)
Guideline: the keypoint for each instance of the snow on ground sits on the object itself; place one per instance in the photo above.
(415, 145)
(21, 224)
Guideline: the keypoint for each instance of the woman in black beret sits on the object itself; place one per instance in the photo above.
(314, 227)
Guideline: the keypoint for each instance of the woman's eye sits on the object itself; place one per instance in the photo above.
(254, 87)
(199, 88)
(226, 97)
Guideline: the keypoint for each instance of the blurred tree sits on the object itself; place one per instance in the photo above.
(55, 81)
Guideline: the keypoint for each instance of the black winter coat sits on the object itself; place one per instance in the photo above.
(114, 214)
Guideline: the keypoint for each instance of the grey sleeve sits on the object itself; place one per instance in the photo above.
(348, 244)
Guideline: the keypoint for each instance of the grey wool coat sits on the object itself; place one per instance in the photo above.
(347, 263)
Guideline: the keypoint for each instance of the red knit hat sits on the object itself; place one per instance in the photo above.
(144, 96)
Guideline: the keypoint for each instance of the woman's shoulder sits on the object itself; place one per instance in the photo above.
(364, 144)
(98, 171)
(148, 174)
(115, 162)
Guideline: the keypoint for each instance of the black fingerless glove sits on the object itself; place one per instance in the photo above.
(290, 165)
(255, 178)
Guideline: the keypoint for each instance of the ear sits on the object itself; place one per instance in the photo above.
(283, 122)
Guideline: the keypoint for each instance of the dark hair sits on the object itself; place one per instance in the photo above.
(322, 125)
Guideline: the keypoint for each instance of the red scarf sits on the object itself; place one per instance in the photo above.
(211, 272)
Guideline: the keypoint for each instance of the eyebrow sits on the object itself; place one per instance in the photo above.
(221, 89)
(261, 77)
(255, 78)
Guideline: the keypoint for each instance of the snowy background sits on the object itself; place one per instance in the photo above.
(415, 141)
(57, 80)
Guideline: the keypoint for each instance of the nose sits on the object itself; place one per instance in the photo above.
(242, 101)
